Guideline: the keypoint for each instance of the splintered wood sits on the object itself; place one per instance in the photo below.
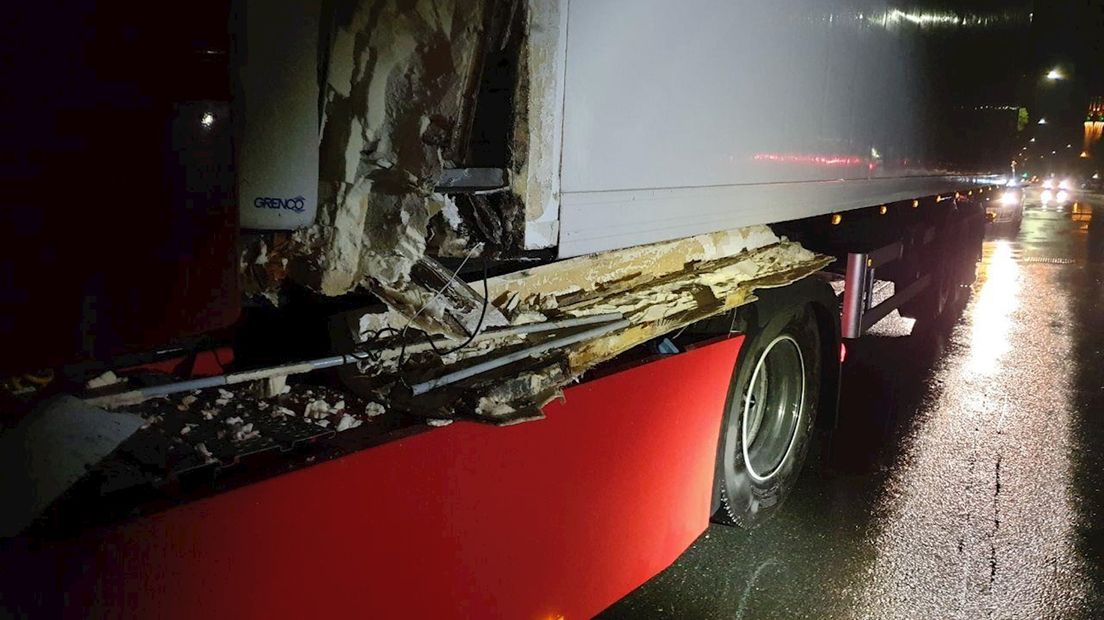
(657, 289)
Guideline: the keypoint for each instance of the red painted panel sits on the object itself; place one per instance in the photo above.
(206, 364)
(558, 517)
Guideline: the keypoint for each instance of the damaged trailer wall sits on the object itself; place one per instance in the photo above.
(395, 90)
(412, 88)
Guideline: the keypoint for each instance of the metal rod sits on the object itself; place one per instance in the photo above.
(297, 368)
(868, 291)
(854, 296)
(513, 330)
(498, 362)
(136, 396)
(454, 180)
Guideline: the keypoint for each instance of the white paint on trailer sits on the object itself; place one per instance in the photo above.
(606, 220)
(682, 118)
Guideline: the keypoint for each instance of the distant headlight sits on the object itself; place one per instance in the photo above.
(1009, 199)
(1066, 184)
(1047, 196)
(1048, 184)
(1063, 196)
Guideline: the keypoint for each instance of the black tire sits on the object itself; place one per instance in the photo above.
(755, 478)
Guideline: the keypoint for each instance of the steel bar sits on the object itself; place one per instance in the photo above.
(498, 362)
(879, 312)
(854, 295)
(297, 368)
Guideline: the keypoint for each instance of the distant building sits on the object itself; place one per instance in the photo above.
(1094, 127)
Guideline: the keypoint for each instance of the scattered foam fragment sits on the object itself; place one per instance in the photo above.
(374, 409)
(103, 380)
(153, 421)
(224, 397)
(491, 408)
(187, 429)
(246, 432)
(317, 408)
(438, 422)
(205, 453)
(347, 421)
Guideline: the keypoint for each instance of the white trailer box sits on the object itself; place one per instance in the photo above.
(669, 119)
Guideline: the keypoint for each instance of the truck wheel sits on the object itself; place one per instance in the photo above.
(771, 410)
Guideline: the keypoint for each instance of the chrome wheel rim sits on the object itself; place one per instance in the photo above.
(773, 408)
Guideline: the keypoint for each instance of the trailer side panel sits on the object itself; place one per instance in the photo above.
(558, 517)
(688, 117)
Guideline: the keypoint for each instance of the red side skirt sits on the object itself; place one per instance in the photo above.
(560, 517)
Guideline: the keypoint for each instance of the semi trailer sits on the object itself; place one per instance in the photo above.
(399, 308)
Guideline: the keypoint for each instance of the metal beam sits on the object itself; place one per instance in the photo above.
(854, 296)
(498, 362)
(879, 312)
(459, 180)
(857, 313)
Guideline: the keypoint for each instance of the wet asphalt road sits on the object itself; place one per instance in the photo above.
(966, 478)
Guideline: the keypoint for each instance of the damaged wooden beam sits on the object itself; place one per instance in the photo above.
(657, 289)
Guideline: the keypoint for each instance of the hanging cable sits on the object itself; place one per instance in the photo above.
(482, 315)
(364, 352)
(471, 336)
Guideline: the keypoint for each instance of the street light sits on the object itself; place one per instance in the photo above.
(1054, 75)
